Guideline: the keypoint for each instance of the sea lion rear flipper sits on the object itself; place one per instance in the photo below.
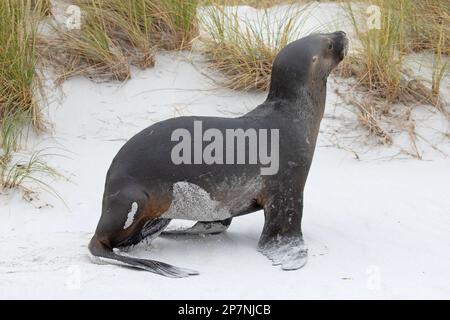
(202, 228)
(100, 253)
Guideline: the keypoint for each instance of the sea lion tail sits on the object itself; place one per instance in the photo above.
(102, 254)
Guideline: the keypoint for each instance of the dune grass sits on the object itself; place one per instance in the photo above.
(44, 6)
(428, 24)
(13, 175)
(21, 94)
(176, 23)
(243, 50)
(20, 85)
(116, 33)
(89, 52)
(378, 63)
(27, 174)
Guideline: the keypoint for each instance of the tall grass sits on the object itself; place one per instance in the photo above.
(115, 33)
(378, 63)
(89, 51)
(243, 49)
(428, 24)
(127, 22)
(428, 29)
(169, 24)
(21, 94)
(176, 23)
(44, 6)
(20, 86)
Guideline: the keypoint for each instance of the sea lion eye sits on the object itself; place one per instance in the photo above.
(330, 46)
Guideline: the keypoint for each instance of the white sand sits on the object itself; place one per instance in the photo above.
(375, 228)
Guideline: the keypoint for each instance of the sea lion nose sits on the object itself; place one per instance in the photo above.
(342, 41)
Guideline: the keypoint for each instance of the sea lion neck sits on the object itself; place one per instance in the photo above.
(288, 81)
(306, 98)
(301, 88)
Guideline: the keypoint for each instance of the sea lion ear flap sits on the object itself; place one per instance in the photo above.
(314, 59)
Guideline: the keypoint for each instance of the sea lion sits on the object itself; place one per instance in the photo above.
(146, 187)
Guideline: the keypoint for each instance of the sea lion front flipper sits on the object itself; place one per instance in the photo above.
(202, 228)
(281, 240)
(290, 253)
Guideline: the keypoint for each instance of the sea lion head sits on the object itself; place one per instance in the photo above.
(306, 64)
